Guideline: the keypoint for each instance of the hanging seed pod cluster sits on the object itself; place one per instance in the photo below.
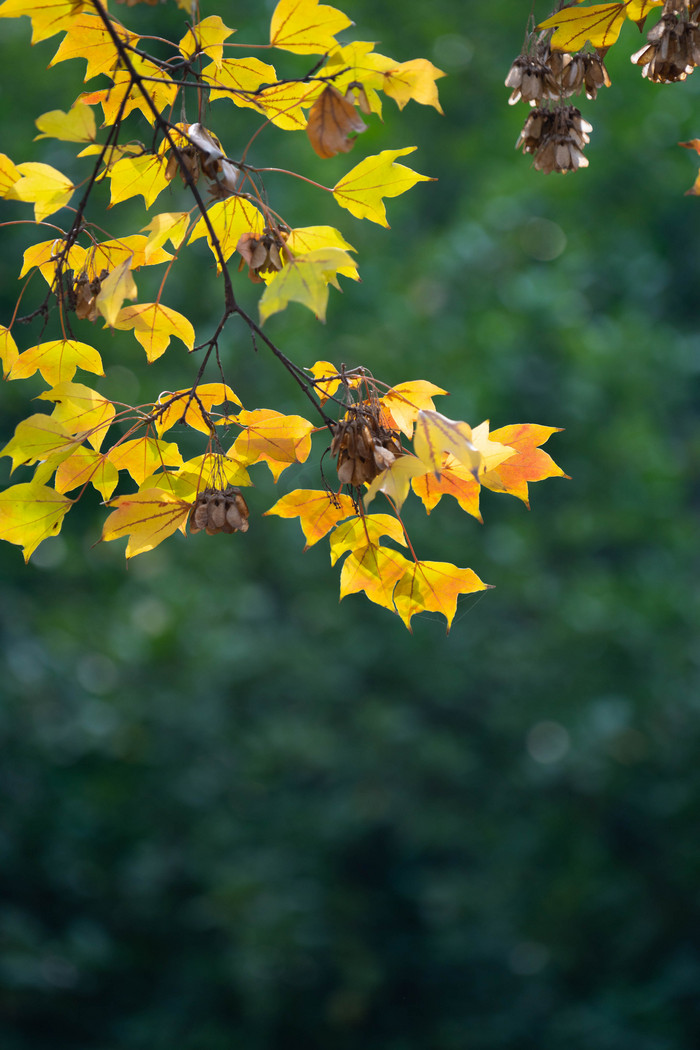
(564, 56)
(555, 133)
(217, 510)
(362, 445)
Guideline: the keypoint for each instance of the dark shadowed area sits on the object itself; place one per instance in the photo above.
(235, 813)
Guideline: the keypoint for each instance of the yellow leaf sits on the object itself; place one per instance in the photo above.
(47, 16)
(318, 511)
(599, 24)
(57, 360)
(395, 482)
(38, 438)
(43, 256)
(132, 176)
(8, 350)
(436, 434)
(87, 38)
(80, 410)
(319, 371)
(282, 103)
(493, 453)
(272, 438)
(77, 125)
(304, 280)
(158, 85)
(307, 239)
(356, 63)
(433, 586)
(362, 189)
(212, 470)
(306, 27)
(9, 174)
(206, 37)
(638, 9)
(238, 79)
(185, 407)
(143, 456)
(147, 517)
(415, 80)
(154, 325)
(361, 531)
(374, 570)
(43, 186)
(404, 401)
(230, 219)
(83, 466)
(31, 513)
(168, 226)
(117, 287)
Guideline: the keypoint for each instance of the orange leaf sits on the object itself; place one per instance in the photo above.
(147, 518)
(318, 511)
(433, 586)
(529, 464)
(455, 480)
(403, 403)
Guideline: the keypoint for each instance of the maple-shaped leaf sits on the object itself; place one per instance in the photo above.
(9, 174)
(493, 453)
(318, 511)
(395, 482)
(358, 64)
(206, 38)
(306, 27)
(87, 38)
(168, 226)
(415, 80)
(637, 10)
(229, 219)
(77, 125)
(31, 513)
(8, 350)
(147, 517)
(124, 96)
(43, 186)
(238, 79)
(305, 280)
(359, 532)
(455, 480)
(132, 176)
(320, 370)
(143, 456)
(433, 586)
(154, 325)
(108, 255)
(283, 103)
(402, 403)
(57, 360)
(80, 410)
(43, 256)
(574, 26)
(38, 438)
(47, 16)
(333, 123)
(374, 570)
(362, 190)
(529, 463)
(211, 470)
(184, 406)
(436, 434)
(117, 287)
(84, 466)
(273, 438)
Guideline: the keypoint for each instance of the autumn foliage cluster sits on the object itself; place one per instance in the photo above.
(564, 55)
(381, 440)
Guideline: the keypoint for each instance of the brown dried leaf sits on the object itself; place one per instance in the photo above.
(333, 123)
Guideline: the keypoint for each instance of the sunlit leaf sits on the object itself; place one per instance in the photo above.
(84, 466)
(8, 350)
(154, 325)
(357, 533)
(305, 26)
(529, 464)
(305, 280)
(87, 38)
(395, 482)
(43, 186)
(80, 410)
(455, 480)
(206, 37)
(318, 511)
(134, 176)
(374, 570)
(184, 406)
(117, 287)
(77, 125)
(47, 16)
(229, 219)
(401, 404)
(9, 174)
(433, 586)
(37, 438)
(436, 434)
(574, 26)
(143, 456)
(31, 513)
(168, 226)
(362, 190)
(57, 360)
(273, 438)
(147, 517)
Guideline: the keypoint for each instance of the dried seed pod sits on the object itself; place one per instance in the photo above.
(217, 510)
(236, 511)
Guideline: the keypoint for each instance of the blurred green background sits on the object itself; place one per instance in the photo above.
(237, 814)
